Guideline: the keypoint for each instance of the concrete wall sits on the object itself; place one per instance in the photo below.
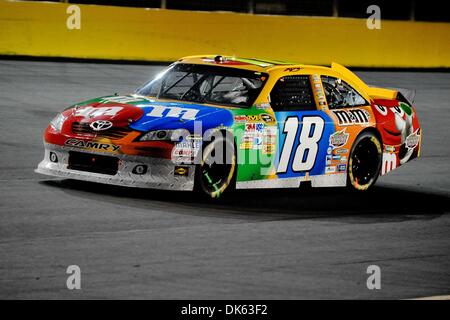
(39, 29)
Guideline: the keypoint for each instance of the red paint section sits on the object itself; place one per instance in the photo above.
(119, 139)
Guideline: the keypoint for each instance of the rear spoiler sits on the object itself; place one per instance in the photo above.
(405, 95)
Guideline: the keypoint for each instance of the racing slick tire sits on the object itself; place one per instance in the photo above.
(364, 163)
(213, 178)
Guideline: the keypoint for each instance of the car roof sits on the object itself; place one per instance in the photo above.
(281, 68)
(253, 64)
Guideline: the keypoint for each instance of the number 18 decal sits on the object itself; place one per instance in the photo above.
(306, 151)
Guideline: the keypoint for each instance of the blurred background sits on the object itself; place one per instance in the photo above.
(410, 33)
(419, 10)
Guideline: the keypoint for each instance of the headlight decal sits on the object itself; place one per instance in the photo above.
(165, 135)
(57, 122)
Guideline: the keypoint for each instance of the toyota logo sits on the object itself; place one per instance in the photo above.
(100, 125)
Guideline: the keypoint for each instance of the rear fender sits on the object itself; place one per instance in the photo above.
(400, 132)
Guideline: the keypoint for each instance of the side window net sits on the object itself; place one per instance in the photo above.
(292, 93)
(341, 95)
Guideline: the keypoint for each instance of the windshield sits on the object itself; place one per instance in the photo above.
(206, 84)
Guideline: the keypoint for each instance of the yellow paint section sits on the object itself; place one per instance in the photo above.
(39, 29)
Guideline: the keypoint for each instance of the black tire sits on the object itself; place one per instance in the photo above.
(364, 163)
(213, 179)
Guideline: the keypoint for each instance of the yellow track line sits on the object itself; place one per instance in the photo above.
(447, 297)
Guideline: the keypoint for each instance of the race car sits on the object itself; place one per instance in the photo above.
(211, 123)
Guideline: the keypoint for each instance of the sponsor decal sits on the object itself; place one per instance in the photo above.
(271, 131)
(339, 138)
(140, 169)
(269, 139)
(189, 144)
(186, 150)
(344, 159)
(330, 169)
(91, 112)
(263, 105)
(240, 118)
(183, 155)
(341, 151)
(264, 117)
(100, 125)
(253, 137)
(91, 145)
(342, 167)
(173, 112)
(292, 69)
(267, 118)
(122, 99)
(247, 143)
(389, 162)
(350, 117)
(257, 142)
(254, 127)
(181, 171)
(329, 150)
(412, 140)
(269, 149)
(253, 118)
(332, 158)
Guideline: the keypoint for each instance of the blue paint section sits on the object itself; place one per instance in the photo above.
(323, 143)
(174, 115)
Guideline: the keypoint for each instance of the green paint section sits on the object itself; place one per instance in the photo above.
(252, 162)
(255, 62)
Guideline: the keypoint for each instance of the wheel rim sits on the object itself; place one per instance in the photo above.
(215, 177)
(364, 163)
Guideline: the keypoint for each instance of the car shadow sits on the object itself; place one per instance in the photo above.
(381, 204)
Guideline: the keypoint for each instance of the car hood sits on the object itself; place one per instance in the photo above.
(142, 114)
(176, 115)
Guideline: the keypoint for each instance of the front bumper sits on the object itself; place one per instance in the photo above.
(160, 173)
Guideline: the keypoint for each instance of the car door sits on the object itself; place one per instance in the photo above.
(303, 129)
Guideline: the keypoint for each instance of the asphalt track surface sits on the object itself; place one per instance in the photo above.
(285, 244)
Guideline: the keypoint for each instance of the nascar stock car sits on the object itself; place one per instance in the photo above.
(212, 123)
